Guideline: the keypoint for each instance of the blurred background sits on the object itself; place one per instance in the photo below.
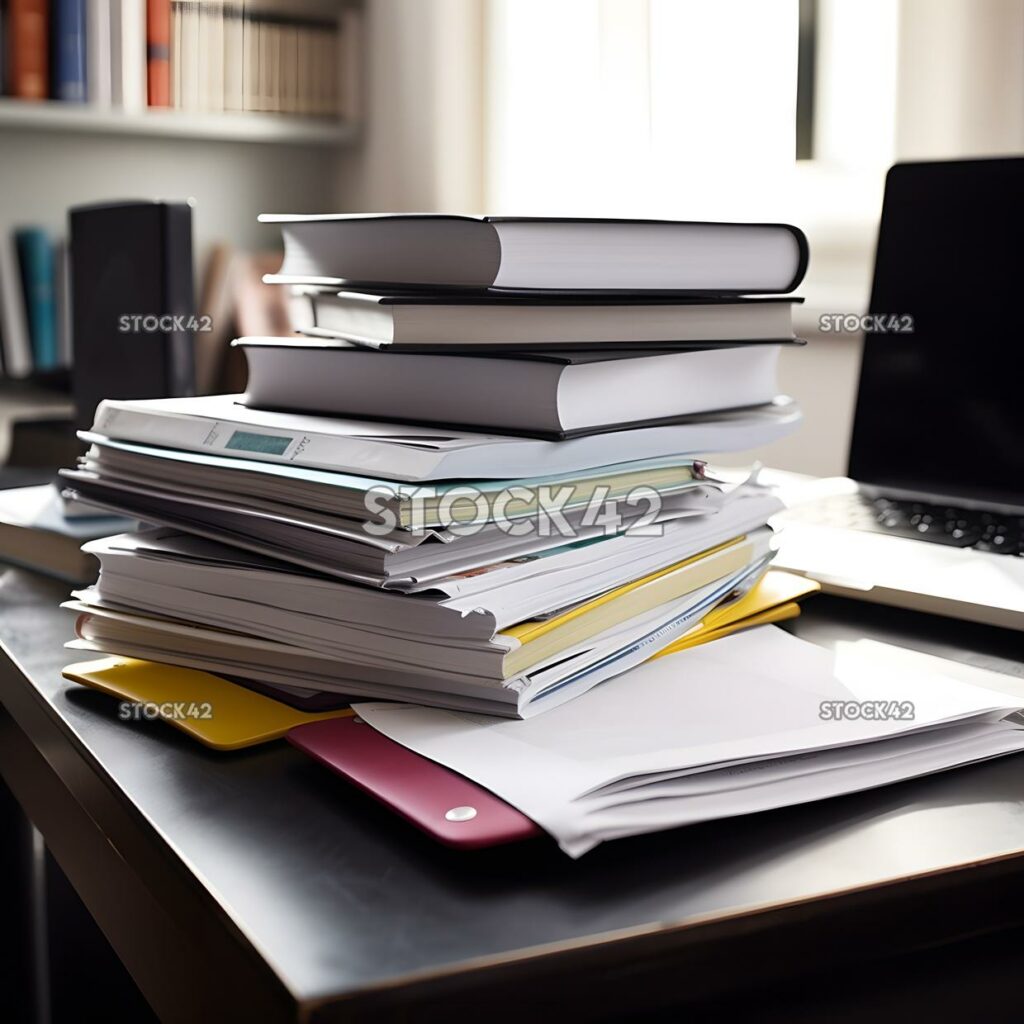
(782, 110)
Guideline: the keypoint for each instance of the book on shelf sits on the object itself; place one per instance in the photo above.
(128, 55)
(68, 20)
(62, 303)
(38, 280)
(116, 54)
(210, 56)
(234, 56)
(35, 329)
(28, 31)
(14, 330)
(158, 52)
(99, 37)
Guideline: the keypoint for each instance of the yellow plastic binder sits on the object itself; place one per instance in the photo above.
(772, 599)
(214, 711)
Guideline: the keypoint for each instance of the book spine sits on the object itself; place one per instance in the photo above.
(351, 100)
(179, 297)
(318, 102)
(62, 303)
(250, 61)
(28, 37)
(234, 51)
(5, 63)
(69, 51)
(264, 70)
(304, 78)
(288, 84)
(211, 55)
(130, 68)
(176, 17)
(189, 55)
(333, 69)
(213, 26)
(158, 52)
(118, 56)
(35, 257)
(14, 333)
(98, 63)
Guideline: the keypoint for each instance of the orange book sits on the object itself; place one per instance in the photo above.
(158, 52)
(29, 35)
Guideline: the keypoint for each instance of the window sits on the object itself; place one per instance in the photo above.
(691, 108)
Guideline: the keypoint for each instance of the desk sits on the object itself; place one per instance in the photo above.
(254, 886)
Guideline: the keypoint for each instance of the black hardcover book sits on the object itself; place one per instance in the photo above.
(133, 307)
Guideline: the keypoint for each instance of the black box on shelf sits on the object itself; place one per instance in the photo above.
(133, 303)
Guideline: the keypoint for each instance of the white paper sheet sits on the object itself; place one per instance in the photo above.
(752, 695)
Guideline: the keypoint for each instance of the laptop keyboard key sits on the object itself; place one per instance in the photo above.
(939, 524)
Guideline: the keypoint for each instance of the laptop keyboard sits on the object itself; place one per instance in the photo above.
(940, 524)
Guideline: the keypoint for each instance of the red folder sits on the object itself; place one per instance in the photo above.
(443, 804)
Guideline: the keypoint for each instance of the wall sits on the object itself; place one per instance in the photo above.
(42, 173)
(422, 148)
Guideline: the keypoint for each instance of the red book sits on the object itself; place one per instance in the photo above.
(158, 52)
(29, 35)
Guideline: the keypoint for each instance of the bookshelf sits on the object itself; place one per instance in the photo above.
(229, 165)
(55, 116)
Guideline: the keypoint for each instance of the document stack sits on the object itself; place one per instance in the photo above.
(477, 482)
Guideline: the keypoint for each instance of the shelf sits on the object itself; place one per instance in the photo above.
(49, 115)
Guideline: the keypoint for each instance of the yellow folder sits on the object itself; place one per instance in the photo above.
(544, 638)
(214, 711)
(772, 599)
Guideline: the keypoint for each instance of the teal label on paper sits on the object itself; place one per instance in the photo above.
(268, 444)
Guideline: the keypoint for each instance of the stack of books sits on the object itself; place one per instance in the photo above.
(474, 479)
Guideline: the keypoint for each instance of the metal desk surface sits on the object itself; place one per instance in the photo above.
(256, 883)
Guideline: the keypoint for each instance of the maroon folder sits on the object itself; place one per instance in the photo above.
(443, 804)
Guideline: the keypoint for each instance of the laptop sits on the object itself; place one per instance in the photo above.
(932, 514)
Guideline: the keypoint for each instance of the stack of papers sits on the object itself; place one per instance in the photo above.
(495, 595)
(499, 565)
(523, 637)
(756, 721)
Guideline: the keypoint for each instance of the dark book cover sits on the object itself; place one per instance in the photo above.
(69, 51)
(133, 306)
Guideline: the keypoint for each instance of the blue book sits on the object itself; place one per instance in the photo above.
(35, 258)
(69, 50)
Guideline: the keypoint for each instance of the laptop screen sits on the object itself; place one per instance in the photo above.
(941, 402)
